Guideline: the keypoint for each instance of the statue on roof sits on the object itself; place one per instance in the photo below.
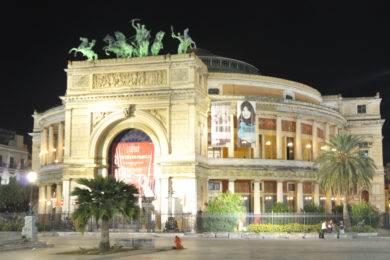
(157, 43)
(185, 41)
(85, 48)
(119, 46)
(142, 38)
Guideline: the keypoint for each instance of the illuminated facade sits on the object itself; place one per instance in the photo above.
(166, 101)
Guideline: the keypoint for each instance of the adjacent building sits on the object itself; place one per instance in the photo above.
(184, 128)
(14, 157)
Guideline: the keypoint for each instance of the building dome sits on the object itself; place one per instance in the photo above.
(217, 63)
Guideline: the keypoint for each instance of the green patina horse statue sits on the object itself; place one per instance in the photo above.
(85, 49)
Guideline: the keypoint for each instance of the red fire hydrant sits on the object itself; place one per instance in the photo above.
(178, 243)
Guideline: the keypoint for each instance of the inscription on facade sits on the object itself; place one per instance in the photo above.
(129, 79)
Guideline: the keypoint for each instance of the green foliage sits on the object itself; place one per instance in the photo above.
(364, 211)
(222, 213)
(361, 229)
(279, 207)
(12, 227)
(313, 208)
(289, 228)
(103, 197)
(15, 197)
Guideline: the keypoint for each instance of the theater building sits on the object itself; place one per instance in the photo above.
(185, 128)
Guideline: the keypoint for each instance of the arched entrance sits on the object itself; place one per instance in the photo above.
(131, 158)
(365, 196)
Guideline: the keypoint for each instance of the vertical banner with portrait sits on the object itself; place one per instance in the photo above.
(220, 124)
(246, 123)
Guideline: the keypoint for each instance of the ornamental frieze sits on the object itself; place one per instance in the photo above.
(129, 79)
(242, 174)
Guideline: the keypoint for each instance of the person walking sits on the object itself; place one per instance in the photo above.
(342, 227)
(323, 230)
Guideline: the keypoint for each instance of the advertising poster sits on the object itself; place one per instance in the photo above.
(220, 124)
(246, 123)
(133, 164)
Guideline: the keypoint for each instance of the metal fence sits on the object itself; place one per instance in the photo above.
(186, 222)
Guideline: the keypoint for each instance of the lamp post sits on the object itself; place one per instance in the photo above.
(31, 176)
(29, 230)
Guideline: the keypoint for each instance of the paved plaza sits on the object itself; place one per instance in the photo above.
(203, 248)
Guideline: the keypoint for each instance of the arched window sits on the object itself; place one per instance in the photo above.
(365, 196)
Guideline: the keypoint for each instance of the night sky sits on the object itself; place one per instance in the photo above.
(332, 48)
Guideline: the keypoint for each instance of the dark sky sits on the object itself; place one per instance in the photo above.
(333, 48)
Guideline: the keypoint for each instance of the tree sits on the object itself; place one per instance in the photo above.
(103, 198)
(279, 207)
(344, 165)
(16, 197)
(222, 213)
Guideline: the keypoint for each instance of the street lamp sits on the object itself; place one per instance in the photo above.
(31, 176)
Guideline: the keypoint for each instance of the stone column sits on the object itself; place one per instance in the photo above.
(316, 194)
(298, 144)
(327, 132)
(257, 146)
(231, 147)
(164, 201)
(231, 186)
(299, 196)
(44, 146)
(42, 199)
(60, 142)
(256, 199)
(279, 152)
(279, 192)
(58, 197)
(328, 202)
(49, 207)
(314, 140)
(66, 193)
(51, 154)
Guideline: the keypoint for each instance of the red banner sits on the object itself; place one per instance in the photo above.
(133, 164)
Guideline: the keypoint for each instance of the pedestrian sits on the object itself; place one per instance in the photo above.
(323, 230)
(330, 226)
(342, 227)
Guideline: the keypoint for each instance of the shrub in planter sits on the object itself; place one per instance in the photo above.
(222, 213)
(313, 208)
(365, 213)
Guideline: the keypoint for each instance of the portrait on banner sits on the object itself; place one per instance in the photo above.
(246, 123)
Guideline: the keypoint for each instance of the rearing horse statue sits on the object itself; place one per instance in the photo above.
(85, 49)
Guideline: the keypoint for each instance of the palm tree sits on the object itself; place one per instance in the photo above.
(342, 166)
(102, 198)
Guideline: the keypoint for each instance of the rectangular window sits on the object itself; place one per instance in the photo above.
(361, 109)
(215, 185)
(11, 162)
(22, 164)
(214, 152)
(290, 148)
(291, 186)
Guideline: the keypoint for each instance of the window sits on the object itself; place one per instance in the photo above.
(361, 109)
(1, 161)
(22, 164)
(11, 162)
(289, 97)
(363, 145)
(290, 148)
(288, 94)
(365, 153)
(214, 185)
(291, 186)
(214, 152)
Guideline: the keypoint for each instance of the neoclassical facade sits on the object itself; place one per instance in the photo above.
(114, 108)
